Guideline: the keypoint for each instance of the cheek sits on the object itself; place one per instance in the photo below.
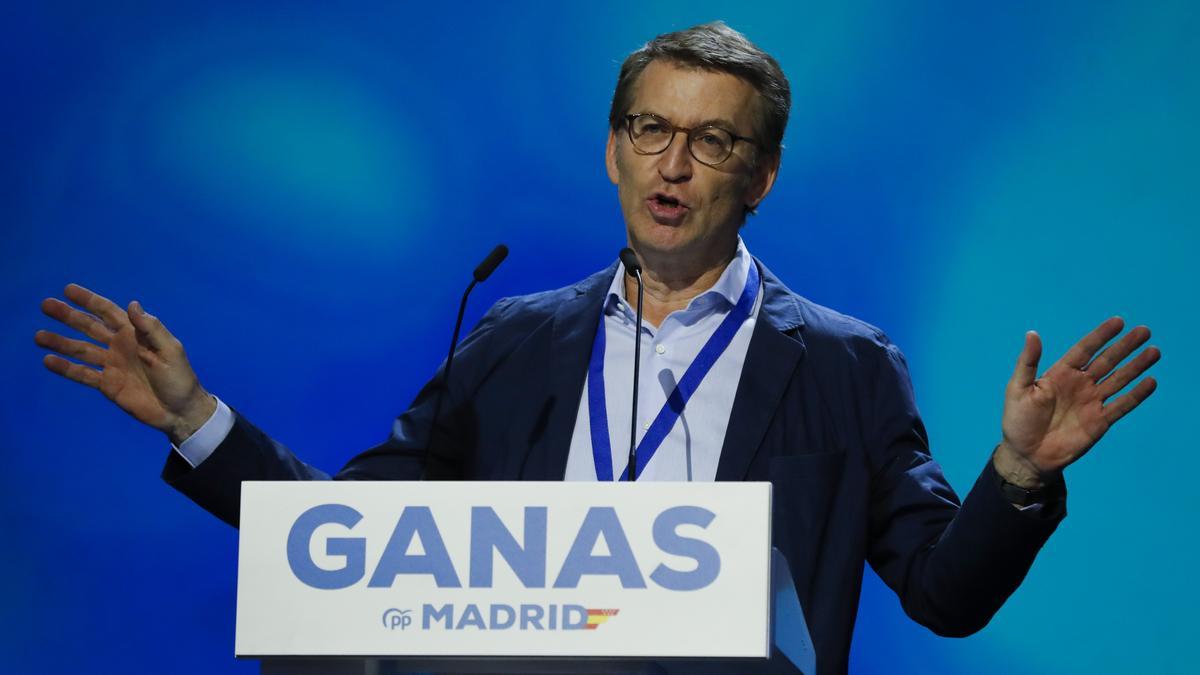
(729, 195)
(633, 180)
(627, 195)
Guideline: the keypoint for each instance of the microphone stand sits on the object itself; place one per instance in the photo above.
(634, 269)
(482, 272)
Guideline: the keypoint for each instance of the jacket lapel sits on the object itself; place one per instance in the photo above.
(775, 350)
(572, 333)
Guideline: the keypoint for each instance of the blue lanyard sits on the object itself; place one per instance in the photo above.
(717, 343)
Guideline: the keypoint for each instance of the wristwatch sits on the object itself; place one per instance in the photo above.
(1023, 496)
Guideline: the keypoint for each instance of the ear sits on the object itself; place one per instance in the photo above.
(764, 180)
(610, 158)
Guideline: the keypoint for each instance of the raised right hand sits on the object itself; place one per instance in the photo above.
(138, 364)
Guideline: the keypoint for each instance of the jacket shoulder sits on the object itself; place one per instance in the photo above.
(523, 312)
(826, 327)
(824, 331)
(511, 320)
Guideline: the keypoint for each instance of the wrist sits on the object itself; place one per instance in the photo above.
(196, 414)
(1016, 469)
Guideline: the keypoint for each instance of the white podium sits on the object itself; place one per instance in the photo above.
(395, 577)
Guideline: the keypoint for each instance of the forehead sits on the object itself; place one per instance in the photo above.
(687, 95)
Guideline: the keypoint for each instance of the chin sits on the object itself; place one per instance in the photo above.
(654, 235)
(659, 242)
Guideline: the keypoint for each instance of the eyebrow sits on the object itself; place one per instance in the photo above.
(710, 122)
(717, 122)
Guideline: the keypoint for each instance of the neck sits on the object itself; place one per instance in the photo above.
(670, 284)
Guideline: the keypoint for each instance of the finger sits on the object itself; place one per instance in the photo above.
(81, 321)
(149, 358)
(150, 330)
(77, 349)
(108, 311)
(1078, 356)
(1120, 407)
(1128, 372)
(1115, 353)
(1027, 363)
(72, 371)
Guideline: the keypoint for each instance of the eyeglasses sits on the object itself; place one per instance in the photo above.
(652, 135)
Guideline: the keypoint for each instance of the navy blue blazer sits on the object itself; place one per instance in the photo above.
(824, 410)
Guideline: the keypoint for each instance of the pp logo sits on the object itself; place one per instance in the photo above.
(397, 618)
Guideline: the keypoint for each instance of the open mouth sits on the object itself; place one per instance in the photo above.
(666, 209)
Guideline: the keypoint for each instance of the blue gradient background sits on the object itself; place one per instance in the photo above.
(300, 193)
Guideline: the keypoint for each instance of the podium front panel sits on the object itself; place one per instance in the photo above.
(551, 569)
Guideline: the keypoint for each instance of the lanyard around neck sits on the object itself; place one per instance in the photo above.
(716, 345)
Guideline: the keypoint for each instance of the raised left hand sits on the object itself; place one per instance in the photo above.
(1053, 420)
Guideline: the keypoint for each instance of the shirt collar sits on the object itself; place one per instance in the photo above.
(728, 288)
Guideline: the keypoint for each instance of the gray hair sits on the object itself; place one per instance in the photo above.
(716, 47)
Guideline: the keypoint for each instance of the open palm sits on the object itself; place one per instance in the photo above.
(134, 361)
(1053, 420)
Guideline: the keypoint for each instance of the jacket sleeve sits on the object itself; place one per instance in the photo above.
(952, 566)
(247, 453)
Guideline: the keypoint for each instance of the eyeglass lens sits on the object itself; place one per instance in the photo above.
(652, 134)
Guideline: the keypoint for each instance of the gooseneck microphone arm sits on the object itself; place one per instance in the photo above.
(634, 269)
(482, 272)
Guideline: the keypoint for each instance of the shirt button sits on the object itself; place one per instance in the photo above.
(646, 426)
(660, 349)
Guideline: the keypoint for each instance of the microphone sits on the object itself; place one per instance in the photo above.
(634, 269)
(490, 264)
(482, 272)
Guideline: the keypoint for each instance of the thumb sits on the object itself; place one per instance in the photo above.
(148, 326)
(1027, 363)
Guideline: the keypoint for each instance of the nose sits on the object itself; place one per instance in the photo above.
(675, 163)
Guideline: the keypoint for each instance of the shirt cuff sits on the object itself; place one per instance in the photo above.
(212, 433)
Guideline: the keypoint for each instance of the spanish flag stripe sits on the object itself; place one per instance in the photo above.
(595, 617)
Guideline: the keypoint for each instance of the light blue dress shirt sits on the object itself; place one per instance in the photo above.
(692, 449)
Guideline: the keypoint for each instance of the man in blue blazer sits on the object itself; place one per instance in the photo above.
(776, 388)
